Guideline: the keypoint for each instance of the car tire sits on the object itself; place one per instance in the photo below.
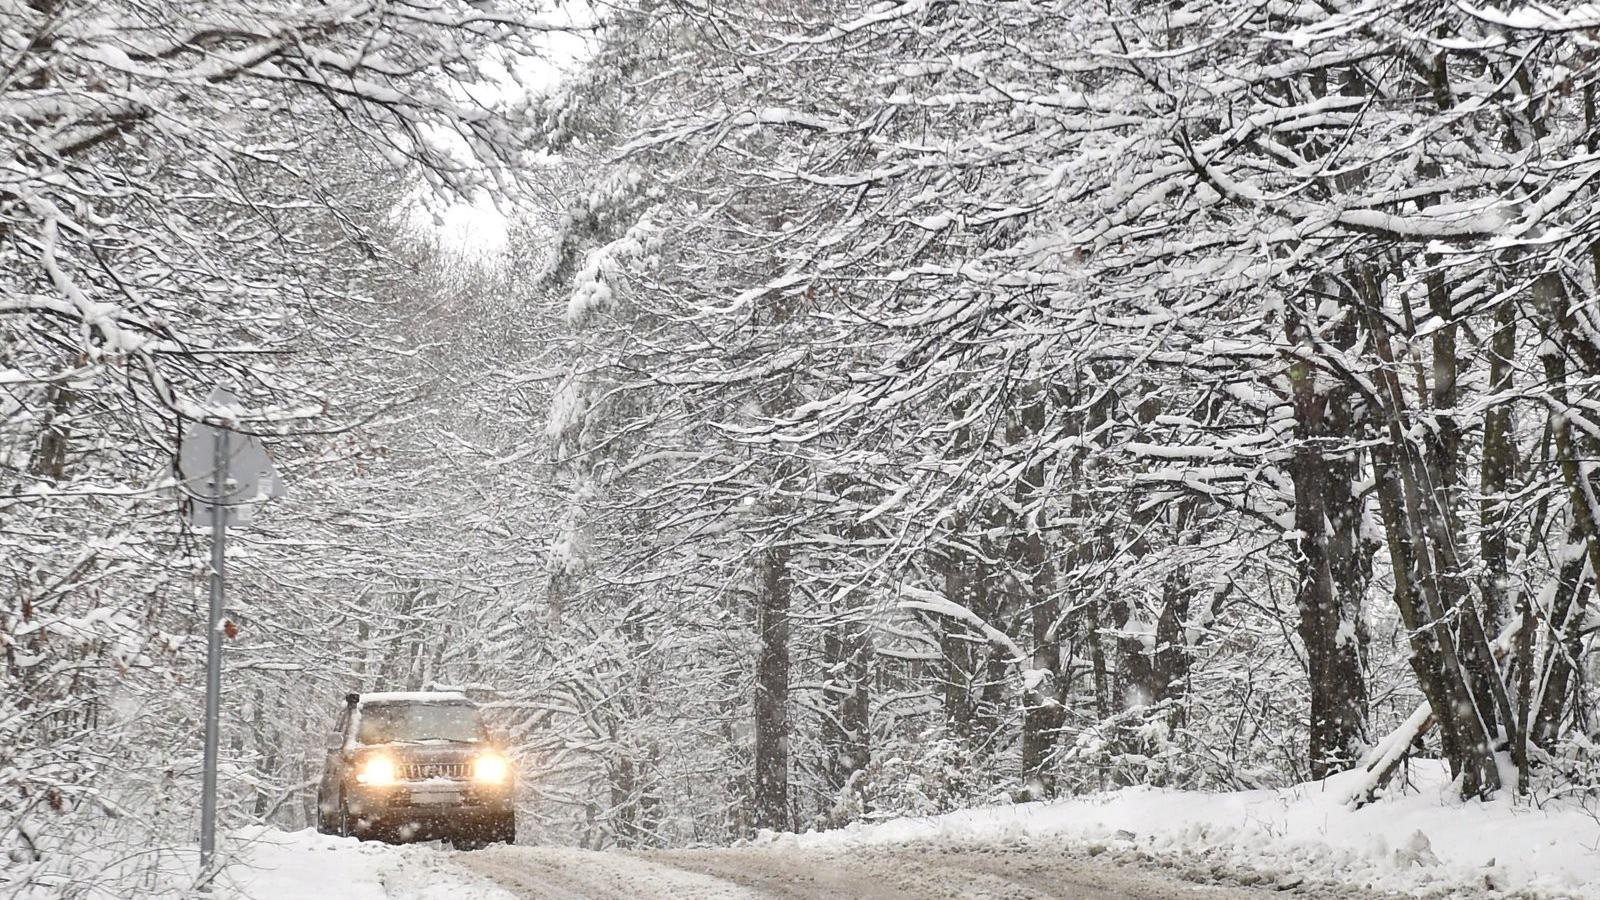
(504, 831)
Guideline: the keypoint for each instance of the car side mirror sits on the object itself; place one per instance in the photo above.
(335, 741)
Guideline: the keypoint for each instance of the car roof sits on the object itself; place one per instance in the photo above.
(413, 697)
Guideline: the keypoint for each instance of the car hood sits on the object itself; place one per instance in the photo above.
(428, 751)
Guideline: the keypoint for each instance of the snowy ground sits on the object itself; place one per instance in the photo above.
(1137, 844)
(306, 866)
(1422, 843)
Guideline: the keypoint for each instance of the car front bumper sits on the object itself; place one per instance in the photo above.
(418, 810)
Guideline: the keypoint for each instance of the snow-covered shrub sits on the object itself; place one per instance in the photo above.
(1157, 745)
(1569, 770)
(1134, 747)
(927, 774)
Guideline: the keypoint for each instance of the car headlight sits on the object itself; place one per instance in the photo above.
(377, 771)
(490, 768)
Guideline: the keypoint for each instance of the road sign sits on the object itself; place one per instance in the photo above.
(225, 475)
(248, 474)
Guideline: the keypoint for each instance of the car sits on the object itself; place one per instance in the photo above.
(412, 766)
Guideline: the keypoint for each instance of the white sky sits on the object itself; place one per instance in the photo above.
(478, 231)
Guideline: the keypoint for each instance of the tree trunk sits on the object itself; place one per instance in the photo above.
(1465, 717)
(1043, 711)
(846, 704)
(771, 806)
(1494, 478)
(1043, 708)
(1332, 560)
(1495, 474)
(964, 586)
(1572, 450)
(624, 785)
(1097, 662)
(50, 460)
(1439, 483)
(1153, 658)
(267, 742)
(1564, 625)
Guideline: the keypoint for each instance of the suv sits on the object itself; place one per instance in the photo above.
(415, 766)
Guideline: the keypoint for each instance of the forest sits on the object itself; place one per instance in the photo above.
(831, 410)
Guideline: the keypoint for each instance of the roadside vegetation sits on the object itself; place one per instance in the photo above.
(868, 409)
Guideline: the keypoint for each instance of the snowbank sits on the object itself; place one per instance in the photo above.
(1423, 842)
(305, 865)
(267, 864)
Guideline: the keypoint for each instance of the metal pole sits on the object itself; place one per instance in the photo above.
(219, 534)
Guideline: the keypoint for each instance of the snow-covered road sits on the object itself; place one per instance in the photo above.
(1134, 844)
(308, 866)
(923, 873)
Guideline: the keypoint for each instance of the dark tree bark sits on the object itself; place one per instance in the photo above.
(1565, 624)
(1495, 474)
(973, 673)
(965, 584)
(1044, 709)
(1043, 699)
(1332, 559)
(771, 801)
(1440, 485)
(846, 710)
(622, 775)
(1094, 618)
(1497, 470)
(1089, 539)
(1152, 669)
(1418, 537)
(1571, 447)
(1173, 654)
(50, 461)
(631, 766)
(267, 741)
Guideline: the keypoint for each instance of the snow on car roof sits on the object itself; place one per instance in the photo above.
(413, 697)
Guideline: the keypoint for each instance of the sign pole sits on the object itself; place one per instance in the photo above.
(219, 534)
(241, 474)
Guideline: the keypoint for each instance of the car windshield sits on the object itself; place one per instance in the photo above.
(390, 722)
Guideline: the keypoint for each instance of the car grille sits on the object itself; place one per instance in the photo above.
(423, 771)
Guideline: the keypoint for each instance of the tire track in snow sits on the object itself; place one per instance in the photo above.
(777, 873)
(1044, 873)
(555, 873)
(929, 872)
(793, 875)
